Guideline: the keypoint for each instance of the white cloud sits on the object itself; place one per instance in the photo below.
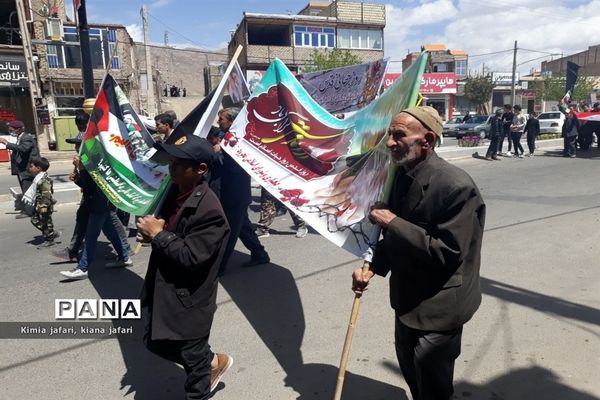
(160, 3)
(485, 26)
(136, 32)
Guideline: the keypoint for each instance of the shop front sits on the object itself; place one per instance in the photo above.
(15, 100)
(437, 88)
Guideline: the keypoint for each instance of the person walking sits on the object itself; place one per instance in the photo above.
(268, 212)
(516, 131)
(180, 289)
(235, 198)
(507, 118)
(21, 153)
(532, 129)
(432, 236)
(570, 130)
(495, 133)
(40, 196)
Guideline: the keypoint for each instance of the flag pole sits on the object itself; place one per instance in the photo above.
(348, 341)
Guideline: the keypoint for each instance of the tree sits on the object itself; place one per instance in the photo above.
(328, 59)
(554, 88)
(478, 90)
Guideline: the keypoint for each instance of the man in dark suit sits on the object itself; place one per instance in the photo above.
(432, 233)
(180, 290)
(21, 152)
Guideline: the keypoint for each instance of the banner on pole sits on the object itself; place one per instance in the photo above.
(345, 89)
(327, 170)
(116, 149)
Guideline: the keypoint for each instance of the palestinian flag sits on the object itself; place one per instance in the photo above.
(116, 151)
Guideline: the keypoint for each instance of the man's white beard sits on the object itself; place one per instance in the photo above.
(406, 157)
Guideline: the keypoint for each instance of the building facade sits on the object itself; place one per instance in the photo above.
(321, 25)
(15, 95)
(588, 61)
(443, 81)
(182, 77)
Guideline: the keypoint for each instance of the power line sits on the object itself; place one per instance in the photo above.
(488, 54)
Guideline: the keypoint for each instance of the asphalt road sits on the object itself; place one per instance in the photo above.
(536, 335)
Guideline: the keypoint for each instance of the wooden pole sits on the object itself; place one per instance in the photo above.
(349, 334)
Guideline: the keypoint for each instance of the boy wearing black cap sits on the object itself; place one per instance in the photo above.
(188, 240)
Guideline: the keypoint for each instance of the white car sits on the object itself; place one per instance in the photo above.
(551, 122)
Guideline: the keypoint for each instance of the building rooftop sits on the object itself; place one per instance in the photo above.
(434, 47)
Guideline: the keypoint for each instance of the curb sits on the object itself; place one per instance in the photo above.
(68, 192)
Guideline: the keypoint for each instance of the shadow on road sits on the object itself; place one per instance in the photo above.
(526, 383)
(148, 376)
(540, 302)
(268, 297)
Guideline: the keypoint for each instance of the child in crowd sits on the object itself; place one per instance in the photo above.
(39, 195)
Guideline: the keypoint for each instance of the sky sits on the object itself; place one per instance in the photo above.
(544, 29)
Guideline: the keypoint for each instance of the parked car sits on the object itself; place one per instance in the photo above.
(551, 122)
(477, 125)
(450, 125)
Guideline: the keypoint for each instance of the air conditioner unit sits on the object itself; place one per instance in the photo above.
(54, 29)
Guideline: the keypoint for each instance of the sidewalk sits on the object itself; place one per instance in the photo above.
(67, 192)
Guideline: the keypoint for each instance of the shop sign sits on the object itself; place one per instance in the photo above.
(43, 115)
(438, 82)
(13, 72)
(389, 79)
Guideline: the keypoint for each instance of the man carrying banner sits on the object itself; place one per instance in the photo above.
(433, 229)
(180, 290)
(235, 197)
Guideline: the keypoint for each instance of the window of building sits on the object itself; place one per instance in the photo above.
(461, 67)
(68, 96)
(313, 36)
(440, 67)
(102, 46)
(268, 35)
(360, 39)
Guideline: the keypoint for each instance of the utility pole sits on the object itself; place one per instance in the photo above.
(32, 76)
(86, 55)
(166, 38)
(150, 105)
(514, 71)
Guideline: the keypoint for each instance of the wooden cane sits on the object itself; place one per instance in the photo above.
(349, 333)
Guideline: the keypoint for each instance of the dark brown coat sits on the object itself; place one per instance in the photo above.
(180, 288)
(433, 248)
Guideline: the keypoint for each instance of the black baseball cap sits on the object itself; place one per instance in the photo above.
(188, 147)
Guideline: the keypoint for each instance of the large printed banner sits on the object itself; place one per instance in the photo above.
(345, 89)
(116, 149)
(327, 170)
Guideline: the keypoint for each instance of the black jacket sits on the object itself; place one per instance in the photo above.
(21, 152)
(180, 288)
(532, 126)
(92, 196)
(495, 127)
(433, 248)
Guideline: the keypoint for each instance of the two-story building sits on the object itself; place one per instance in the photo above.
(321, 25)
(443, 81)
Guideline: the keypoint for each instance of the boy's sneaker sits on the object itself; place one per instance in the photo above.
(47, 243)
(120, 263)
(508, 154)
(75, 273)
(224, 362)
(302, 232)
